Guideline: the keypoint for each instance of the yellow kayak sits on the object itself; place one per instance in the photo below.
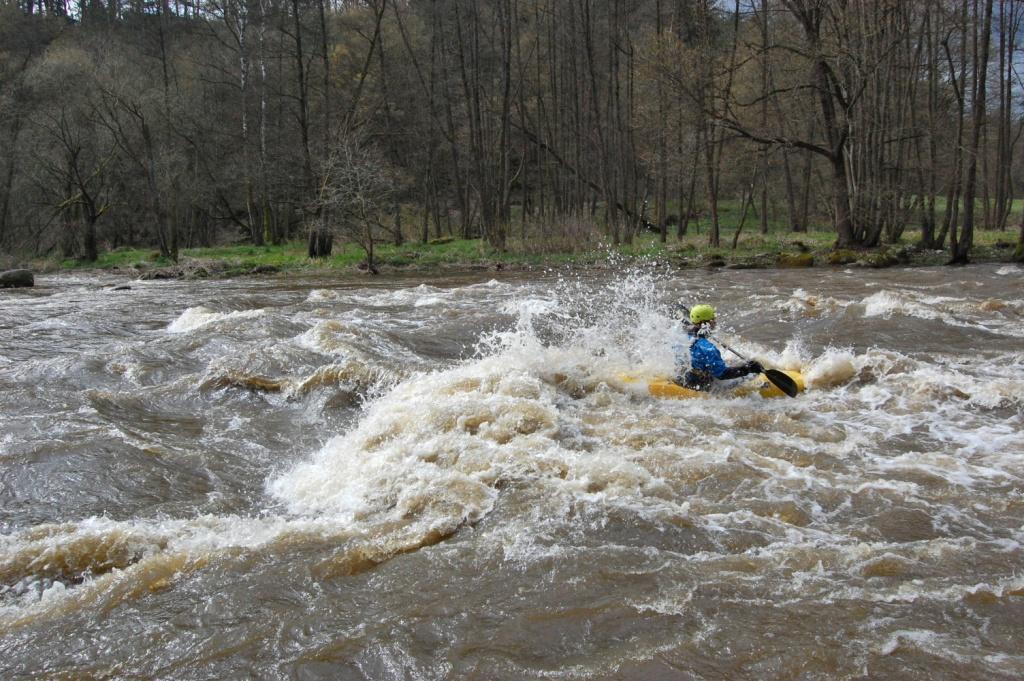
(663, 387)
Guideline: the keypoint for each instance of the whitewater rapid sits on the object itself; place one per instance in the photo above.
(464, 453)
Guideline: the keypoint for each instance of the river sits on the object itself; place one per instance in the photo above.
(315, 477)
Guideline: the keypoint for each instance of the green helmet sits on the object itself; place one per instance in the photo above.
(702, 313)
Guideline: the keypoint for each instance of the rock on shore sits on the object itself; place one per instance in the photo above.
(16, 279)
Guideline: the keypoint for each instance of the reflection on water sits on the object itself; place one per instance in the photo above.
(308, 477)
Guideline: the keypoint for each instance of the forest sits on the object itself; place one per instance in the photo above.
(559, 123)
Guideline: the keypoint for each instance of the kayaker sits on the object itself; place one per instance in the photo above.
(706, 363)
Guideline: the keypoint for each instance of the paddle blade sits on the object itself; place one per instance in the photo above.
(782, 382)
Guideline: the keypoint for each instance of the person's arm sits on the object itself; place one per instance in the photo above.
(741, 371)
(708, 358)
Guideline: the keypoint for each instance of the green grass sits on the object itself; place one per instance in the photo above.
(730, 214)
(693, 248)
(1015, 208)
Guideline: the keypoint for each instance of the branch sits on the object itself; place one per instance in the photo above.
(366, 65)
(777, 91)
(736, 127)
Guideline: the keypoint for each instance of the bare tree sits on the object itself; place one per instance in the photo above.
(355, 189)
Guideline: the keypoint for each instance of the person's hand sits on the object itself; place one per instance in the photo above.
(753, 367)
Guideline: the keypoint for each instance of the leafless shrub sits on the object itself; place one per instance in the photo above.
(539, 236)
(354, 194)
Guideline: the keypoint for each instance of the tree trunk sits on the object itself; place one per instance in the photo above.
(764, 120)
(711, 185)
(302, 86)
(399, 239)
(321, 243)
(841, 204)
(962, 248)
(1018, 253)
(951, 219)
(928, 207)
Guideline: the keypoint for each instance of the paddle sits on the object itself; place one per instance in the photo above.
(778, 378)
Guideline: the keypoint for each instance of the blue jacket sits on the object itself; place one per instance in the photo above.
(704, 356)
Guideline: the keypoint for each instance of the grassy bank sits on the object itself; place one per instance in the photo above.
(776, 249)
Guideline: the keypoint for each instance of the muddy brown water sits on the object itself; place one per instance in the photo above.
(307, 477)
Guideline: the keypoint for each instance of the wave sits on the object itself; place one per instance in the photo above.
(422, 295)
(196, 317)
(52, 570)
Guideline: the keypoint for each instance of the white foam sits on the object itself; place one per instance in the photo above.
(804, 303)
(888, 303)
(320, 295)
(436, 446)
(333, 337)
(196, 317)
(830, 369)
(417, 296)
(991, 315)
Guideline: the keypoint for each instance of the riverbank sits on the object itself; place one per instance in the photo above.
(789, 250)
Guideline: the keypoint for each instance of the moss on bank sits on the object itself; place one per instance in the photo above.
(753, 252)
